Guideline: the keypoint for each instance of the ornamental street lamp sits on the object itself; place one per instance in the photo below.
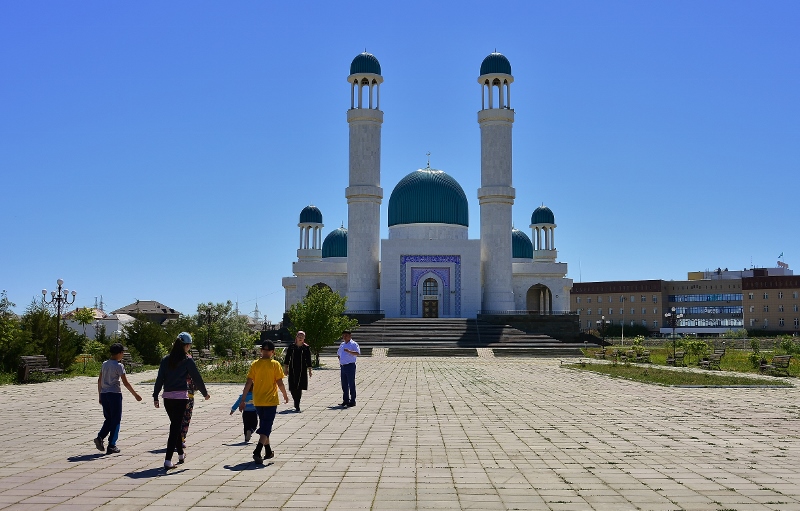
(210, 318)
(602, 324)
(673, 318)
(60, 299)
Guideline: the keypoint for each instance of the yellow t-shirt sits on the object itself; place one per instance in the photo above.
(265, 373)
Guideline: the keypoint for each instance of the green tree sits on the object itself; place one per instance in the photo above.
(40, 322)
(148, 339)
(14, 341)
(321, 316)
(84, 316)
(226, 329)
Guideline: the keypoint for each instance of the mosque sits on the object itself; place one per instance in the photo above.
(429, 267)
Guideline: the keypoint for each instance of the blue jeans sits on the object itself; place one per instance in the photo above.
(112, 411)
(348, 373)
(266, 417)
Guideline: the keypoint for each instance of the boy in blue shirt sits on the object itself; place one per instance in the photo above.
(249, 415)
(111, 398)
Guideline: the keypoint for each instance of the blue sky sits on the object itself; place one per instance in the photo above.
(164, 150)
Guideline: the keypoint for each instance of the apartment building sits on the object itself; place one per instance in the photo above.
(628, 302)
(772, 303)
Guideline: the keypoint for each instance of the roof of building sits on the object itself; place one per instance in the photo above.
(335, 244)
(542, 215)
(521, 246)
(365, 63)
(495, 63)
(145, 307)
(311, 215)
(428, 196)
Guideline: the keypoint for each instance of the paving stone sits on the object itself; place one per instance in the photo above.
(428, 433)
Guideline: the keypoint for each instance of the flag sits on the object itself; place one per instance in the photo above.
(780, 255)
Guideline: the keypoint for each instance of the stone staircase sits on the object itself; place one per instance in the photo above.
(458, 337)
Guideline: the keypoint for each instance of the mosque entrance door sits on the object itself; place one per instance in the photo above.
(430, 308)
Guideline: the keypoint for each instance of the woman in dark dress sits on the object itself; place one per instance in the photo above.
(298, 362)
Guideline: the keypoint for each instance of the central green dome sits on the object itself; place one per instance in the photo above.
(365, 63)
(428, 196)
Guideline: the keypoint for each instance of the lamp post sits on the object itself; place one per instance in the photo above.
(602, 323)
(210, 318)
(60, 298)
(622, 299)
(673, 321)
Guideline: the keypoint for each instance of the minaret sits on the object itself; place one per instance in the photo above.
(310, 234)
(364, 194)
(496, 195)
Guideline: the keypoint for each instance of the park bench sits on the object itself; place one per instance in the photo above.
(228, 353)
(127, 361)
(35, 364)
(207, 356)
(778, 365)
(713, 360)
(677, 360)
(601, 354)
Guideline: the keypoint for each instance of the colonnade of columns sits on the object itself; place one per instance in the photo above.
(311, 237)
(544, 237)
(374, 90)
(503, 94)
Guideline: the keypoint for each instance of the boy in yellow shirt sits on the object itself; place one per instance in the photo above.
(264, 379)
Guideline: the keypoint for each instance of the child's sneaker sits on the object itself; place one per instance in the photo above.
(181, 458)
(168, 464)
(112, 449)
(247, 435)
(98, 442)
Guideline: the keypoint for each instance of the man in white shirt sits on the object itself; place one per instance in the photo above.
(348, 352)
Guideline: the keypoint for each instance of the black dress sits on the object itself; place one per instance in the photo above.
(299, 360)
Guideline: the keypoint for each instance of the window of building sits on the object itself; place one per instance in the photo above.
(633, 311)
(780, 321)
(766, 323)
(644, 311)
(588, 299)
(430, 287)
(796, 322)
(766, 308)
(589, 311)
(780, 308)
(795, 308)
(577, 299)
(610, 311)
(752, 321)
(644, 323)
(749, 296)
(633, 298)
(752, 308)
(766, 296)
(599, 299)
(655, 299)
(644, 298)
(780, 294)
(794, 295)
(655, 324)
(599, 311)
(655, 311)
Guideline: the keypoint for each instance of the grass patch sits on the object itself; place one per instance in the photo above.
(658, 376)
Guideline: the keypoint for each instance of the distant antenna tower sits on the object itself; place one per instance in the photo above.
(102, 307)
(257, 314)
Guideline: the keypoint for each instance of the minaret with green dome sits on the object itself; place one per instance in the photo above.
(364, 193)
(496, 194)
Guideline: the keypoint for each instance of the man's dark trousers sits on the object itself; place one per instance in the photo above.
(348, 373)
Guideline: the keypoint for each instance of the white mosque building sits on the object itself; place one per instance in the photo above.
(429, 267)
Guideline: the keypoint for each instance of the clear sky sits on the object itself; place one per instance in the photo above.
(164, 150)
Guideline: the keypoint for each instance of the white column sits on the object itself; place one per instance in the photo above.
(553, 238)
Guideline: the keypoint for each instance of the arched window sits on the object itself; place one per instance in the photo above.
(430, 287)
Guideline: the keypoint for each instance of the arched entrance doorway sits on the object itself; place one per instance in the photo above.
(430, 298)
(539, 299)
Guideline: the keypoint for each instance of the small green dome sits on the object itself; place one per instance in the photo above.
(542, 215)
(335, 244)
(365, 63)
(495, 63)
(428, 196)
(521, 246)
(311, 215)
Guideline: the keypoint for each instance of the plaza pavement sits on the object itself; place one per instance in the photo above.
(428, 433)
